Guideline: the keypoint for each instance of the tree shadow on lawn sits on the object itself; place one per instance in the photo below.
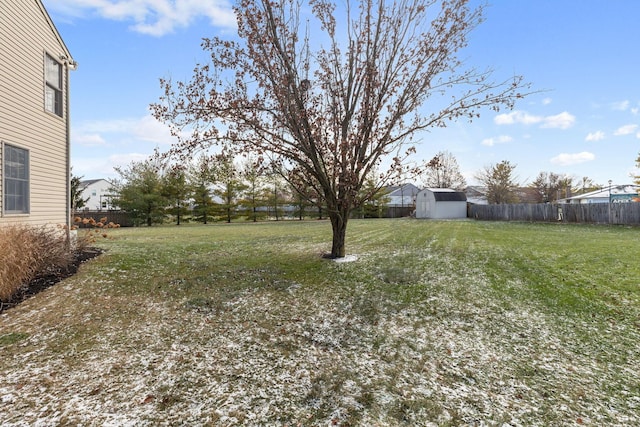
(43, 282)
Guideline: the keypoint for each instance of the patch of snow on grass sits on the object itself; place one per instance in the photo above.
(428, 347)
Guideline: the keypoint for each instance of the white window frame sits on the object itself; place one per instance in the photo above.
(21, 172)
(53, 73)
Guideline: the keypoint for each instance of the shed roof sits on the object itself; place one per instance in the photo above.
(455, 196)
(447, 195)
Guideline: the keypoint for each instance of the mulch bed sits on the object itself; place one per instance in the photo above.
(41, 283)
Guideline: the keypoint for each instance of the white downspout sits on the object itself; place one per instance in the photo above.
(69, 65)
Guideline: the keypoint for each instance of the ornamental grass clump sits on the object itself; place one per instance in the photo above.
(98, 228)
(28, 253)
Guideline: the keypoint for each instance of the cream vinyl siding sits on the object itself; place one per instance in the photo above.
(26, 37)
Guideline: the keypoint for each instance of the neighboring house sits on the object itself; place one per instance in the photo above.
(441, 203)
(97, 194)
(401, 195)
(614, 194)
(476, 195)
(400, 200)
(34, 116)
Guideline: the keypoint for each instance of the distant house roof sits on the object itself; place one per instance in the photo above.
(403, 190)
(87, 182)
(401, 195)
(476, 194)
(625, 191)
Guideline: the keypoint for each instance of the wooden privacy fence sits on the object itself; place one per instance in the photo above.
(593, 213)
(117, 217)
(398, 211)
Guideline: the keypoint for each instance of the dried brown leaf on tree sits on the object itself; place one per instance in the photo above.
(330, 110)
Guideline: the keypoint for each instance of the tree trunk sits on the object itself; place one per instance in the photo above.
(339, 227)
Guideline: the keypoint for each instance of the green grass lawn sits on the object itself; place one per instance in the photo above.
(436, 323)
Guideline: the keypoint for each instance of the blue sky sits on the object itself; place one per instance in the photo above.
(581, 54)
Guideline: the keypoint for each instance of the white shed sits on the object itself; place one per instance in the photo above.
(441, 203)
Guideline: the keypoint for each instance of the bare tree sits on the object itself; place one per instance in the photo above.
(546, 187)
(585, 185)
(636, 178)
(551, 187)
(275, 194)
(379, 72)
(443, 172)
(500, 182)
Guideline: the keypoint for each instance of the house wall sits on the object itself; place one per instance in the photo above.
(98, 194)
(401, 201)
(26, 35)
(595, 200)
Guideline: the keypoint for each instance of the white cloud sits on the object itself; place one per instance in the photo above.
(635, 111)
(90, 167)
(546, 101)
(625, 130)
(135, 135)
(151, 130)
(143, 129)
(103, 166)
(620, 105)
(595, 136)
(153, 17)
(514, 117)
(567, 159)
(502, 139)
(126, 158)
(87, 139)
(563, 120)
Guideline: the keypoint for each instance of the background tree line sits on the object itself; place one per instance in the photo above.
(502, 186)
(221, 188)
(211, 188)
(500, 183)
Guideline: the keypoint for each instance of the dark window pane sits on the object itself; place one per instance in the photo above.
(16, 180)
